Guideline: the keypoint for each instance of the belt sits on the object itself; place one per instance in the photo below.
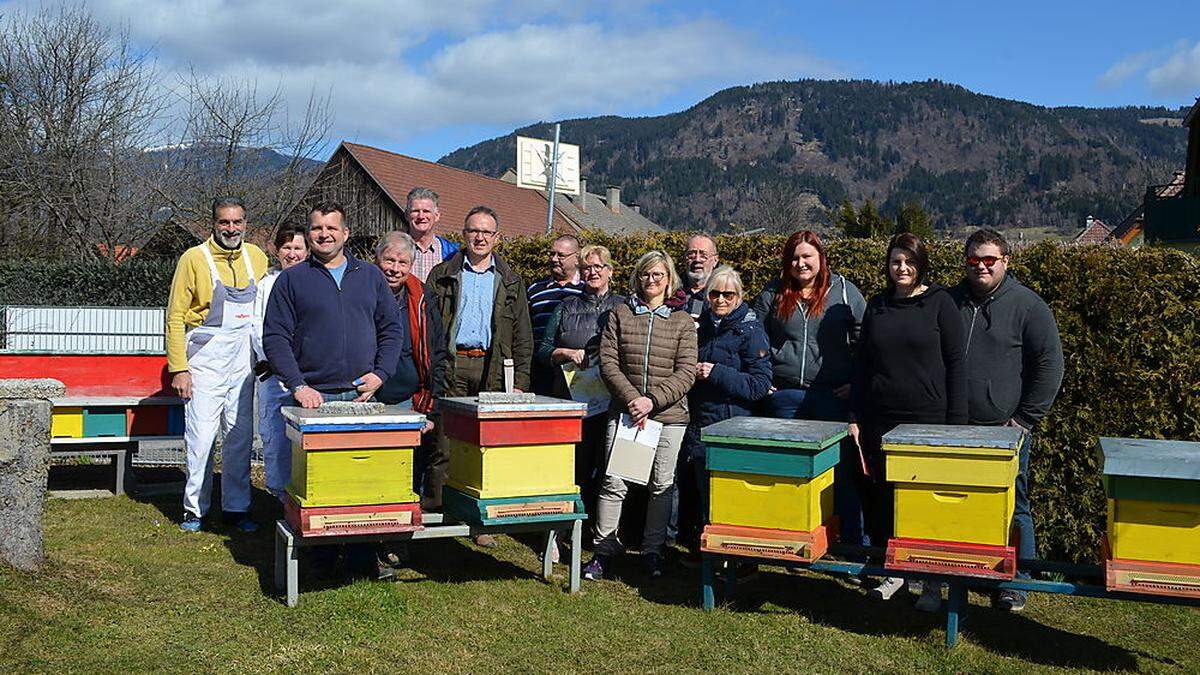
(473, 352)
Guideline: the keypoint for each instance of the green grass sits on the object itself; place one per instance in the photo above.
(125, 590)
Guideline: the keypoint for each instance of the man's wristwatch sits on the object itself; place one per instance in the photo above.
(297, 389)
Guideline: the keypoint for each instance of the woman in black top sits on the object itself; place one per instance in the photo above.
(909, 368)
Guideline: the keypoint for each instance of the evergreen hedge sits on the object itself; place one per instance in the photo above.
(1128, 320)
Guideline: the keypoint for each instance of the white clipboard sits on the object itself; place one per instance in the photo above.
(631, 456)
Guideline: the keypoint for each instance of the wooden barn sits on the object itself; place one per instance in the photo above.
(372, 184)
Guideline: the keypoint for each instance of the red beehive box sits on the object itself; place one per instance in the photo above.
(946, 557)
(332, 521)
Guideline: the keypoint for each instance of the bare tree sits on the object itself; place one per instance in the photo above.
(244, 141)
(777, 206)
(78, 104)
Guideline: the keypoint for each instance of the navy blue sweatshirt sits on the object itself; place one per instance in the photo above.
(909, 364)
(317, 334)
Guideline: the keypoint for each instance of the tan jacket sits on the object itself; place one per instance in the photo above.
(651, 353)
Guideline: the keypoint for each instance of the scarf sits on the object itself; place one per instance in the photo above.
(422, 400)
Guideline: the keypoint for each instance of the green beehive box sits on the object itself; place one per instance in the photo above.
(773, 447)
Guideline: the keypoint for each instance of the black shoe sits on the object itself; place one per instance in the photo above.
(656, 565)
(1009, 601)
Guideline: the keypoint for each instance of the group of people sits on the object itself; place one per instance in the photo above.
(430, 319)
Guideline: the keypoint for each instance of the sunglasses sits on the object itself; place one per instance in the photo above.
(728, 295)
(987, 260)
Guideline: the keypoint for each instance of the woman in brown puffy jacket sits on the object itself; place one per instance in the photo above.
(648, 363)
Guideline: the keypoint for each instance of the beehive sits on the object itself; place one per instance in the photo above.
(100, 421)
(527, 509)
(953, 483)
(66, 422)
(1153, 489)
(773, 447)
(332, 521)
(770, 486)
(512, 449)
(331, 468)
(756, 542)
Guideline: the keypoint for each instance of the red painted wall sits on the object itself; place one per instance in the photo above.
(99, 375)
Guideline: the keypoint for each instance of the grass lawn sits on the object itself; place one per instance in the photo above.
(125, 590)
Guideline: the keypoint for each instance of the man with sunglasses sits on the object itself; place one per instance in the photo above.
(1014, 365)
(545, 296)
(485, 312)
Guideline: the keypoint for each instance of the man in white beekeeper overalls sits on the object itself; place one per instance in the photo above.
(210, 323)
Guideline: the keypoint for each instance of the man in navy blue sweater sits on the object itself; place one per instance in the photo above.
(332, 330)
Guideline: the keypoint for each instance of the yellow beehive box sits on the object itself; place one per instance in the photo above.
(953, 483)
(1154, 531)
(771, 502)
(492, 472)
(66, 422)
(970, 515)
(1153, 489)
(352, 477)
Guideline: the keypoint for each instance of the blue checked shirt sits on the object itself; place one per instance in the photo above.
(475, 307)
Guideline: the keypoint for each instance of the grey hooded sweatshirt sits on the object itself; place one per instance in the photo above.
(1014, 356)
(813, 351)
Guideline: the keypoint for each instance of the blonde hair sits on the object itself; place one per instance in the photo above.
(725, 275)
(649, 260)
(600, 252)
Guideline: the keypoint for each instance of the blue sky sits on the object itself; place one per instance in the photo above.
(424, 78)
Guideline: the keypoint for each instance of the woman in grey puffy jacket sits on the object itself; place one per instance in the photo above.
(812, 316)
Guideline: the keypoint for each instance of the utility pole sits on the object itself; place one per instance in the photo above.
(552, 181)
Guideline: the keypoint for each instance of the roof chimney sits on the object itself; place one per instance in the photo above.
(1090, 220)
(636, 208)
(583, 195)
(614, 198)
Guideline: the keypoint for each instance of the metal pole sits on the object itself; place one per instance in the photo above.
(552, 182)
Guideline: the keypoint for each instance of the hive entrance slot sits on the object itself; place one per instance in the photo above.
(948, 562)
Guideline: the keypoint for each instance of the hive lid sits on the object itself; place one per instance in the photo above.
(391, 416)
(768, 431)
(972, 440)
(540, 406)
(1149, 458)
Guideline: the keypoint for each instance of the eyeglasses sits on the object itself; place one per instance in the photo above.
(482, 233)
(555, 255)
(589, 269)
(697, 254)
(653, 276)
(987, 260)
(728, 295)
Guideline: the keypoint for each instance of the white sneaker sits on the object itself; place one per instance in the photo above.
(886, 588)
(931, 597)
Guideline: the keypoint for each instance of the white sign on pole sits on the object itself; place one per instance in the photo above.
(534, 157)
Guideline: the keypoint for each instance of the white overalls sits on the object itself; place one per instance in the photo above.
(277, 449)
(219, 360)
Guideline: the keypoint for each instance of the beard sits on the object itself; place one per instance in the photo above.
(696, 278)
(230, 241)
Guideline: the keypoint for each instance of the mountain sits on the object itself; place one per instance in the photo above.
(783, 153)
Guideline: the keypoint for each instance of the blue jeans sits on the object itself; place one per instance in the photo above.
(820, 403)
(1022, 518)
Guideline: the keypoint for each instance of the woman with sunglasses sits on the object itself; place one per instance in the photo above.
(909, 368)
(733, 373)
(572, 335)
(648, 363)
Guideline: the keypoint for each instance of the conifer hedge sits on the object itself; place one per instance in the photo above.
(1128, 319)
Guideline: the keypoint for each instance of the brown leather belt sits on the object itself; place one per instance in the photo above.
(474, 353)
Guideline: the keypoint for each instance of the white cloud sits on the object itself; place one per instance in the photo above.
(397, 68)
(1125, 69)
(1180, 73)
(1173, 70)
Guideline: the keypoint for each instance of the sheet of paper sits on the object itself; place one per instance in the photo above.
(631, 457)
(585, 386)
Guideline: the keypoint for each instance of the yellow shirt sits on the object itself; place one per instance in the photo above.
(192, 291)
